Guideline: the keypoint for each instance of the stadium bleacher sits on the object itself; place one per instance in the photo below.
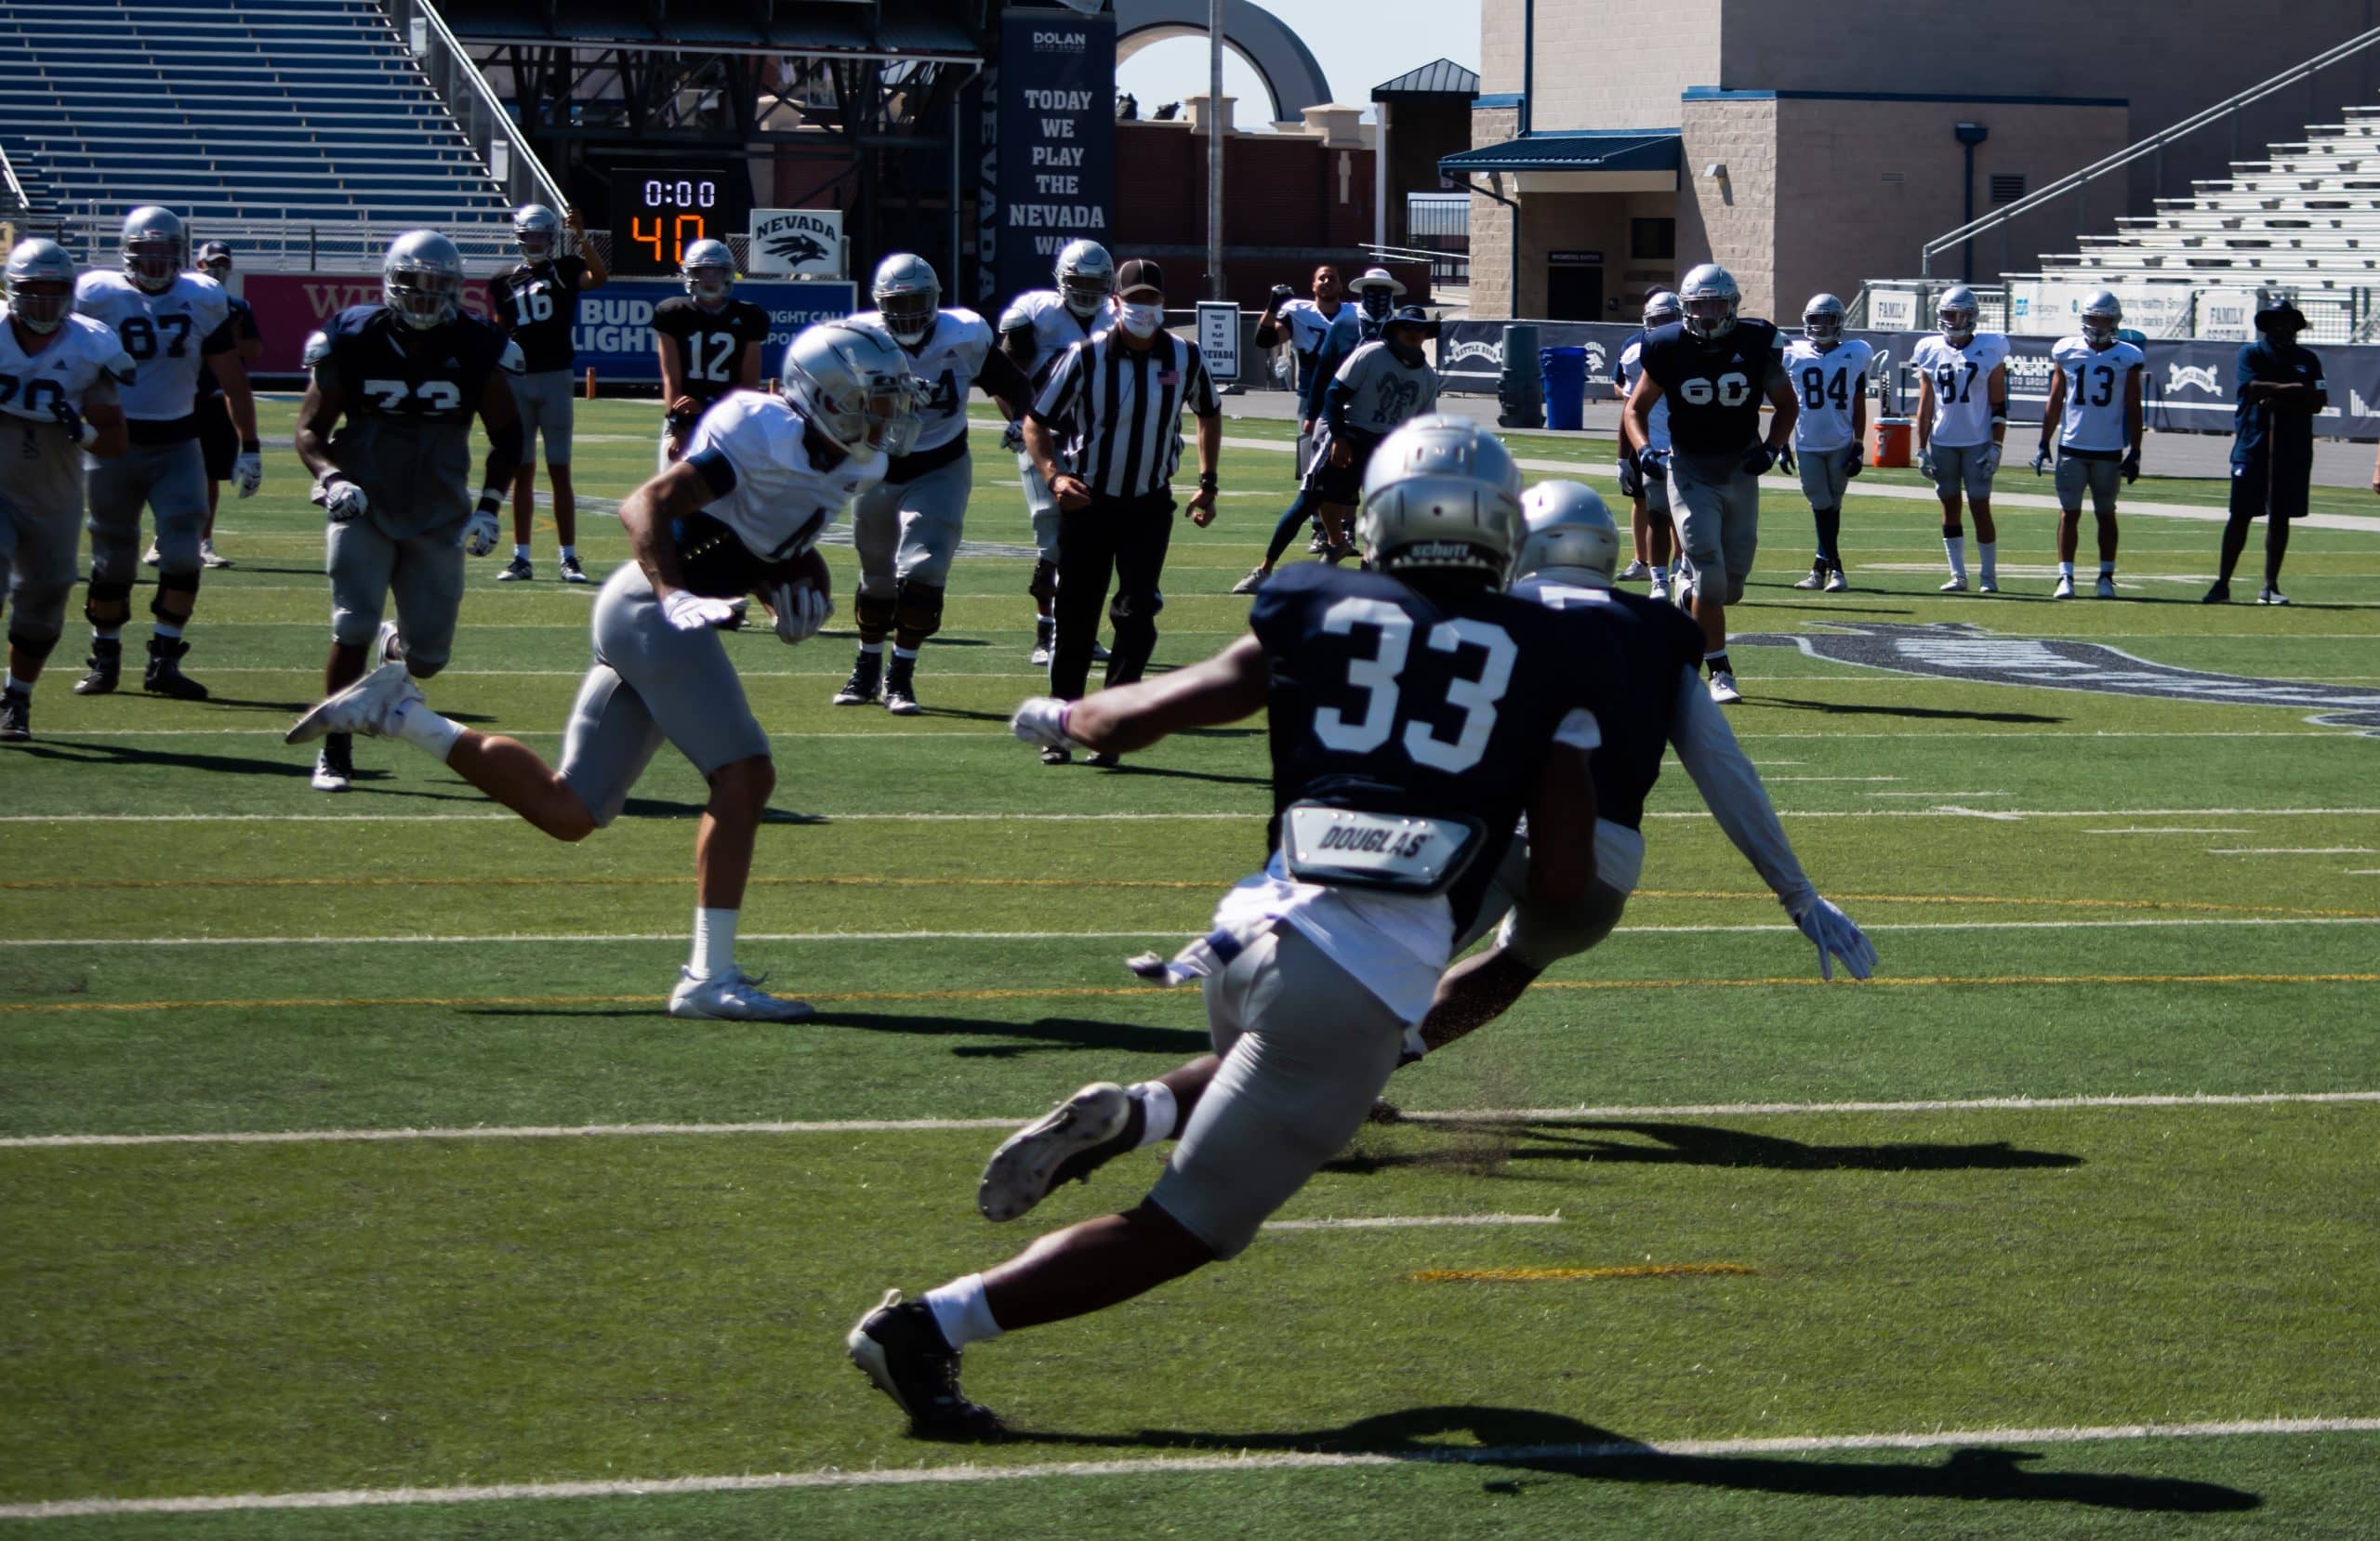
(225, 110)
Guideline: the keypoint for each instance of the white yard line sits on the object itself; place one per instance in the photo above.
(2290, 851)
(2168, 829)
(1177, 818)
(1409, 1222)
(1159, 1466)
(909, 1126)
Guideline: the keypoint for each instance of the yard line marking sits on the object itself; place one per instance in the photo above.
(2166, 829)
(1934, 793)
(1843, 779)
(912, 1125)
(1407, 1222)
(1103, 991)
(2290, 851)
(1156, 1466)
(1538, 1275)
(796, 816)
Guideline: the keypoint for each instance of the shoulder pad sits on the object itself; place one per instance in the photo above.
(1017, 318)
(318, 347)
(512, 360)
(117, 362)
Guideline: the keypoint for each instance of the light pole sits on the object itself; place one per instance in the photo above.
(1214, 148)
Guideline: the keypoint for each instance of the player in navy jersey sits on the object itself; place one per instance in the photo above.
(1714, 368)
(536, 303)
(407, 376)
(1413, 711)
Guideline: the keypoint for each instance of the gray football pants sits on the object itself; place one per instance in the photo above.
(170, 480)
(907, 532)
(37, 566)
(424, 571)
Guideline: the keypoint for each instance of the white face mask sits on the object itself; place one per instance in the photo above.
(1141, 321)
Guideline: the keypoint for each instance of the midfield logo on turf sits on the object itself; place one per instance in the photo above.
(1958, 650)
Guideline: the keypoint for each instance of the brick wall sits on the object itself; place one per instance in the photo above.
(1491, 225)
(1732, 221)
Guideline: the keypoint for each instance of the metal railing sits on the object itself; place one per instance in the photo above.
(1907, 305)
(2077, 182)
(305, 245)
(1434, 216)
(477, 110)
(1444, 267)
(12, 190)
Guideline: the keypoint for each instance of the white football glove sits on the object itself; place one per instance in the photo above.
(802, 612)
(1042, 722)
(1990, 461)
(1012, 436)
(248, 472)
(480, 533)
(342, 499)
(692, 613)
(1925, 462)
(1836, 936)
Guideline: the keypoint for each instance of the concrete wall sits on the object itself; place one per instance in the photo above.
(1279, 190)
(1605, 63)
(1732, 221)
(1491, 225)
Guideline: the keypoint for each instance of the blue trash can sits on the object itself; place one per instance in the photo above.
(1566, 387)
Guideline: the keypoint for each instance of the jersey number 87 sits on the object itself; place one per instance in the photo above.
(1378, 677)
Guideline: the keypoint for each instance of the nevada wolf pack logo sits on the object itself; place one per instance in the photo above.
(1958, 650)
(795, 246)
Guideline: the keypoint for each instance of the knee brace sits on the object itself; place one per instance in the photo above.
(107, 603)
(172, 583)
(875, 613)
(35, 648)
(1735, 589)
(917, 609)
(1044, 581)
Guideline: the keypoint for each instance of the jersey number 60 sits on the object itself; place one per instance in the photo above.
(1378, 677)
(1728, 390)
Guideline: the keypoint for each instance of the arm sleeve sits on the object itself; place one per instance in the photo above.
(1003, 381)
(1724, 774)
(1334, 402)
(1065, 384)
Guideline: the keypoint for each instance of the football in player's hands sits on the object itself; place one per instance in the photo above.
(807, 573)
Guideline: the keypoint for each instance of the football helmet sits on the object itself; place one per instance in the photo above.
(41, 285)
(853, 386)
(1660, 309)
(537, 231)
(1566, 529)
(1822, 319)
(1086, 276)
(1708, 297)
(421, 279)
(1956, 313)
(154, 244)
(2101, 314)
(1441, 493)
(709, 269)
(907, 295)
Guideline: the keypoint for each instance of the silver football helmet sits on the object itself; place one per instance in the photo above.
(853, 386)
(1566, 532)
(154, 246)
(1708, 297)
(709, 269)
(41, 285)
(2102, 313)
(537, 231)
(907, 295)
(1441, 493)
(1956, 313)
(421, 279)
(1822, 319)
(1661, 308)
(1086, 276)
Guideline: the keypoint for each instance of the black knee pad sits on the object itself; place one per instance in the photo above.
(422, 668)
(172, 583)
(875, 613)
(1128, 607)
(34, 647)
(1044, 583)
(917, 610)
(103, 593)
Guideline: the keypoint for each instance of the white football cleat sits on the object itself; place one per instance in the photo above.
(1814, 579)
(1025, 1169)
(209, 556)
(333, 772)
(1986, 586)
(1958, 583)
(1660, 591)
(150, 558)
(2271, 597)
(2107, 589)
(1834, 581)
(363, 707)
(2065, 590)
(731, 997)
(386, 646)
(1723, 688)
(1636, 570)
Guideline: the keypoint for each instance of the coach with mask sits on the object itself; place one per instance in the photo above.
(1105, 433)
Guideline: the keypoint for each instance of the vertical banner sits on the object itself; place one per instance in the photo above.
(1218, 339)
(1056, 138)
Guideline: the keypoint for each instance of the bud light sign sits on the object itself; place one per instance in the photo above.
(1057, 142)
(614, 330)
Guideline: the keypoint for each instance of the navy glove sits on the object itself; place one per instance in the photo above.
(1757, 460)
(1855, 461)
(1653, 461)
(1282, 294)
(70, 420)
(1785, 459)
(2131, 466)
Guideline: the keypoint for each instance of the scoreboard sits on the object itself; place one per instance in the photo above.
(657, 214)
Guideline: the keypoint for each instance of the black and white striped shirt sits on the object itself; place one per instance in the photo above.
(1118, 412)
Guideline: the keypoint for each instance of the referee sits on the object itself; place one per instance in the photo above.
(1104, 433)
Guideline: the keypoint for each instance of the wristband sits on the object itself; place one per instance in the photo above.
(2000, 420)
(1206, 482)
(330, 478)
(251, 446)
(491, 499)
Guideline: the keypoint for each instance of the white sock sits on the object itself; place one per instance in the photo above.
(17, 686)
(108, 633)
(963, 1312)
(170, 630)
(899, 652)
(1987, 553)
(425, 730)
(2065, 570)
(877, 648)
(1955, 547)
(521, 552)
(1159, 1112)
(1660, 574)
(568, 552)
(714, 942)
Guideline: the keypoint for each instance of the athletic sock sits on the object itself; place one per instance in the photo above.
(900, 651)
(714, 942)
(1955, 547)
(875, 648)
(1717, 662)
(962, 1312)
(18, 687)
(2106, 570)
(1158, 1111)
(1988, 554)
(425, 730)
(108, 633)
(567, 553)
(170, 630)
(1660, 574)
(520, 553)
(2065, 570)
(1830, 523)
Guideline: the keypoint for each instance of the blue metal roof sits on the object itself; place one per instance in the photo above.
(1588, 150)
(1441, 77)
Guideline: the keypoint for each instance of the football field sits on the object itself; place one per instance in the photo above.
(352, 1183)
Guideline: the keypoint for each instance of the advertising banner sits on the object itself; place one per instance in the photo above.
(1056, 138)
(1218, 339)
(796, 244)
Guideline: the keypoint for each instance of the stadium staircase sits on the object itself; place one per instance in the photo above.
(230, 110)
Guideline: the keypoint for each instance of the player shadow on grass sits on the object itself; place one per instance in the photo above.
(1845, 708)
(1489, 1143)
(1518, 1439)
(1044, 1034)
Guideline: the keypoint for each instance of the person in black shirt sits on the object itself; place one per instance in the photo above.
(709, 342)
(536, 304)
(2280, 389)
(216, 438)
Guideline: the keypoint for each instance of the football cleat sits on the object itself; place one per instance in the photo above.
(517, 571)
(1108, 761)
(209, 556)
(150, 557)
(335, 763)
(1958, 583)
(571, 572)
(2269, 596)
(901, 688)
(1057, 757)
(1835, 583)
(387, 646)
(16, 716)
(1815, 577)
(1250, 584)
(1636, 570)
(106, 666)
(1045, 641)
(1988, 586)
(731, 997)
(2065, 590)
(1318, 546)
(363, 707)
(2220, 594)
(1098, 651)
(865, 683)
(1048, 1151)
(164, 676)
(1659, 592)
(899, 1347)
(1723, 688)
(2107, 589)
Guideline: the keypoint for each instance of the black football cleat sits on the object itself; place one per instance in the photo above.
(16, 716)
(164, 675)
(900, 1348)
(865, 683)
(901, 688)
(106, 665)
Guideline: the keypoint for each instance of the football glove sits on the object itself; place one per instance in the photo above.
(2040, 458)
(1835, 935)
(1282, 294)
(2131, 466)
(1653, 461)
(1632, 480)
(71, 420)
(1785, 459)
(1012, 436)
(802, 612)
(1854, 460)
(1925, 462)
(688, 611)
(1757, 460)
(1990, 461)
(481, 531)
(340, 498)
(1042, 720)
(247, 471)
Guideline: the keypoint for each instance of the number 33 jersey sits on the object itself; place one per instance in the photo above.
(167, 338)
(408, 398)
(1962, 382)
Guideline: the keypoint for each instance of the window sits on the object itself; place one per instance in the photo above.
(1652, 238)
(2007, 185)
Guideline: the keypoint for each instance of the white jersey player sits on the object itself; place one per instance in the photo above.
(1383, 385)
(172, 324)
(1037, 327)
(1829, 372)
(761, 480)
(60, 377)
(2093, 410)
(908, 527)
(1648, 497)
(1962, 422)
